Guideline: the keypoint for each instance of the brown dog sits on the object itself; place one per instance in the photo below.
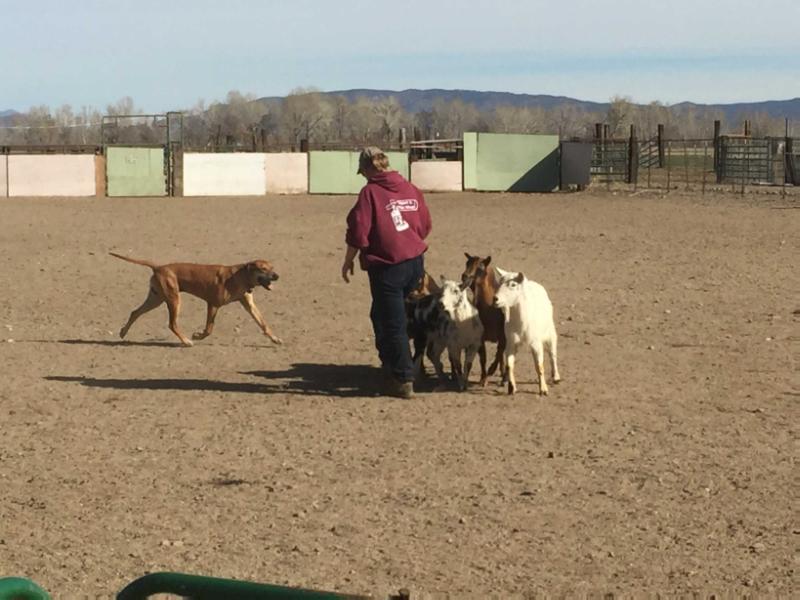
(218, 285)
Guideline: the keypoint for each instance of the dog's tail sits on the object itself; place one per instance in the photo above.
(136, 261)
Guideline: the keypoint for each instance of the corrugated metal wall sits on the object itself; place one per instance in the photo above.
(135, 171)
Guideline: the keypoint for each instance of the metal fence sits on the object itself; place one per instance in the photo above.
(733, 163)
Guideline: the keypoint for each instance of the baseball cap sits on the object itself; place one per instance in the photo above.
(366, 156)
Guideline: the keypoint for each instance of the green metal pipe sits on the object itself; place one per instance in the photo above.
(18, 588)
(212, 588)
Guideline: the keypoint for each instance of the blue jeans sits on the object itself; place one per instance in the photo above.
(390, 284)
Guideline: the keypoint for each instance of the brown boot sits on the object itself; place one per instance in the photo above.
(399, 389)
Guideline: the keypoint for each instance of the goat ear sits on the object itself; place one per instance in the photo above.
(519, 278)
(468, 255)
(442, 279)
(486, 261)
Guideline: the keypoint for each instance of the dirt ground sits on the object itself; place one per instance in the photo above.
(663, 463)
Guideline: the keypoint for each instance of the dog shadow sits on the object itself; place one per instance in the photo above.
(116, 343)
(318, 379)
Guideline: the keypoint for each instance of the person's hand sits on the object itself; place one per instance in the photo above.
(348, 268)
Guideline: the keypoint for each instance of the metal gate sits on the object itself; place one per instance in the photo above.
(648, 154)
(610, 160)
(746, 160)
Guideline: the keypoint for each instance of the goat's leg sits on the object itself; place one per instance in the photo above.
(482, 361)
(455, 365)
(496, 362)
(511, 356)
(537, 348)
(434, 352)
(420, 342)
(553, 352)
(501, 350)
(469, 356)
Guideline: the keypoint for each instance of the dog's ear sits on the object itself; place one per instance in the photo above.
(251, 266)
(468, 255)
(442, 279)
(486, 261)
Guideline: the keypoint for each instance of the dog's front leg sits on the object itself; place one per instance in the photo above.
(210, 316)
(250, 306)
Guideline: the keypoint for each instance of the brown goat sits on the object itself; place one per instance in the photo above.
(484, 282)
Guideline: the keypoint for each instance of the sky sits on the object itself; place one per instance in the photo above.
(168, 55)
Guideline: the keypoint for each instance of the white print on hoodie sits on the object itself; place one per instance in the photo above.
(397, 207)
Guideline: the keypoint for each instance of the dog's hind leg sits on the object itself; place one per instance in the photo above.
(210, 316)
(153, 300)
(250, 306)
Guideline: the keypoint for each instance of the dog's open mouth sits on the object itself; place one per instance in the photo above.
(265, 280)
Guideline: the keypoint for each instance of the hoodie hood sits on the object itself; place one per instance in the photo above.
(391, 181)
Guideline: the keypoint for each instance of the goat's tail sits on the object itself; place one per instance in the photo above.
(136, 261)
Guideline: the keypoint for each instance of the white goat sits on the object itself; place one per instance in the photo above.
(528, 320)
(464, 332)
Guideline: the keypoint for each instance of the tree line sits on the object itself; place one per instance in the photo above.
(243, 122)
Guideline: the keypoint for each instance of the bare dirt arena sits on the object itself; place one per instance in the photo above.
(663, 463)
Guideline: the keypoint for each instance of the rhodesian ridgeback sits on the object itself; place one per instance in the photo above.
(218, 285)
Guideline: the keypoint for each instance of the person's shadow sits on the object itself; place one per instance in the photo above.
(303, 379)
(314, 379)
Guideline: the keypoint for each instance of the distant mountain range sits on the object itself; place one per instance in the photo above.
(417, 100)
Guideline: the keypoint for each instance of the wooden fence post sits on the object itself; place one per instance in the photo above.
(660, 146)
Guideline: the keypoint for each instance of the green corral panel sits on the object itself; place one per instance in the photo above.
(333, 172)
(514, 163)
(398, 161)
(470, 160)
(135, 171)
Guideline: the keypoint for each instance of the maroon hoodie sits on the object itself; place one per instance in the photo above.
(389, 221)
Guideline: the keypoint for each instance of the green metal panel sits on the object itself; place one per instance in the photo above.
(398, 161)
(334, 172)
(470, 160)
(516, 162)
(135, 171)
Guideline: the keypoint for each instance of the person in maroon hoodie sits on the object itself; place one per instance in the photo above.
(386, 229)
